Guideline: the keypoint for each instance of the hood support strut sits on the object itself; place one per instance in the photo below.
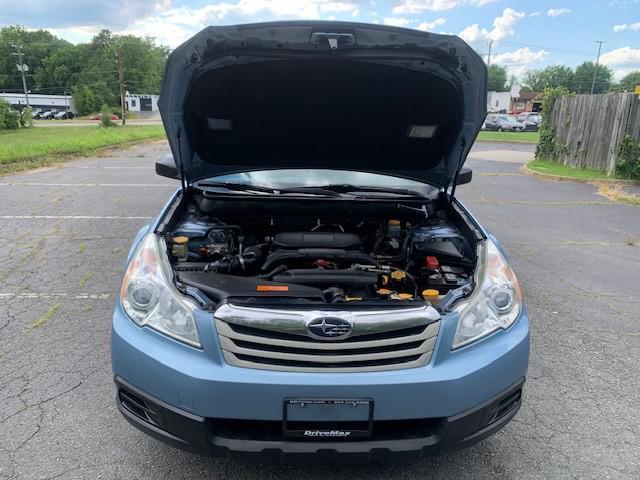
(183, 177)
(454, 182)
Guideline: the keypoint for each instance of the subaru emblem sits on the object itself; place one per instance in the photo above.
(329, 328)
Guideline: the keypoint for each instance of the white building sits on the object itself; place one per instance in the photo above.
(36, 100)
(142, 103)
(498, 102)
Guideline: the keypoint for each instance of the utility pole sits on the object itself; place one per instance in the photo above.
(489, 54)
(22, 67)
(595, 70)
(123, 106)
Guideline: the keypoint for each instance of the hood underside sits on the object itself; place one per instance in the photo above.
(323, 95)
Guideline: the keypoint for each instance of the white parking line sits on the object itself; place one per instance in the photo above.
(80, 296)
(43, 184)
(71, 217)
(97, 167)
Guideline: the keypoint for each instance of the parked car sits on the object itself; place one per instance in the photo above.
(503, 123)
(47, 114)
(98, 116)
(531, 121)
(315, 288)
(35, 114)
(63, 115)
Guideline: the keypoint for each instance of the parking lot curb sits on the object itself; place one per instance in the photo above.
(559, 178)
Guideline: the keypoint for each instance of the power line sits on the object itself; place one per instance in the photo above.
(551, 49)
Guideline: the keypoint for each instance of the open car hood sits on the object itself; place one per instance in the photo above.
(333, 95)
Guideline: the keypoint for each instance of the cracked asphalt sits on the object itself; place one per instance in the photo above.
(64, 234)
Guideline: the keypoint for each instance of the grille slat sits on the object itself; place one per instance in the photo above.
(261, 348)
(229, 345)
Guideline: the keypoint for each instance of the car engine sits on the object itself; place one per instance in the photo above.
(412, 256)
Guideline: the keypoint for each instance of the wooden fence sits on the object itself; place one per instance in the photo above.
(588, 128)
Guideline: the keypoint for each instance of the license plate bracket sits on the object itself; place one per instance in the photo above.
(327, 418)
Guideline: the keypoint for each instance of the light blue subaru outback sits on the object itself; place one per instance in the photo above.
(314, 291)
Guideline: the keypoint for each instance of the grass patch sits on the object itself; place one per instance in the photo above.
(46, 316)
(617, 194)
(551, 168)
(40, 146)
(517, 137)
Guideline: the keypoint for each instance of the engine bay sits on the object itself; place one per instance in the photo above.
(316, 251)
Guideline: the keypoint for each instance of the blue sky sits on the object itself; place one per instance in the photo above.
(526, 34)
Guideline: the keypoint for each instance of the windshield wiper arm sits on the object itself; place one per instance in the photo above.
(346, 188)
(245, 187)
(241, 187)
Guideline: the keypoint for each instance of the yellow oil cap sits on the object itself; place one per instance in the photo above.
(405, 296)
(430, 293)
(394, 222)
(181, 240)
(398, 275)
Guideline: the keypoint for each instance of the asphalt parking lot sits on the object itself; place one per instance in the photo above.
(64, 235)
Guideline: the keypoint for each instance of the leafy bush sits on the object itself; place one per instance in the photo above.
(8, 117)
(547, 148)
(628, 165)
(26, 117)
(105, 117)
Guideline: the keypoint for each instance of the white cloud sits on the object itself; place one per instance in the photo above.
(503, 27)
(397, 21)
(556, 12)
(627, 26)
(404, 7)
(537, 13)
(428, 26)
(521, 56)
(420, 6)
(173, 26)
(520, 60)
(313, 9)
(622, 56)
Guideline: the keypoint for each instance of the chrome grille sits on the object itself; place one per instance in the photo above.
(277, 339)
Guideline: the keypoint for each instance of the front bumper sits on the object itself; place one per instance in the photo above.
(264, 440)
(210, 407)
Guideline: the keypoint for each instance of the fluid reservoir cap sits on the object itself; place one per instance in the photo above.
(430, 293)
(181, 240)
(394, 222)
(405, 296)
(398, 275)
(384, 292)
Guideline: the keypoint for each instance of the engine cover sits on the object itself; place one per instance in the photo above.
(296, 240)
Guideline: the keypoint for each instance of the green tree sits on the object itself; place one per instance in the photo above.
(550, 77)
(583, 77)
(629, 81)
(57, 66)
(85, 100)
(59, 71)
(497, 81)
(37, 45)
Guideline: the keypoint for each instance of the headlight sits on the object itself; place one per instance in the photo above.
(496, 301)
(150, 298)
